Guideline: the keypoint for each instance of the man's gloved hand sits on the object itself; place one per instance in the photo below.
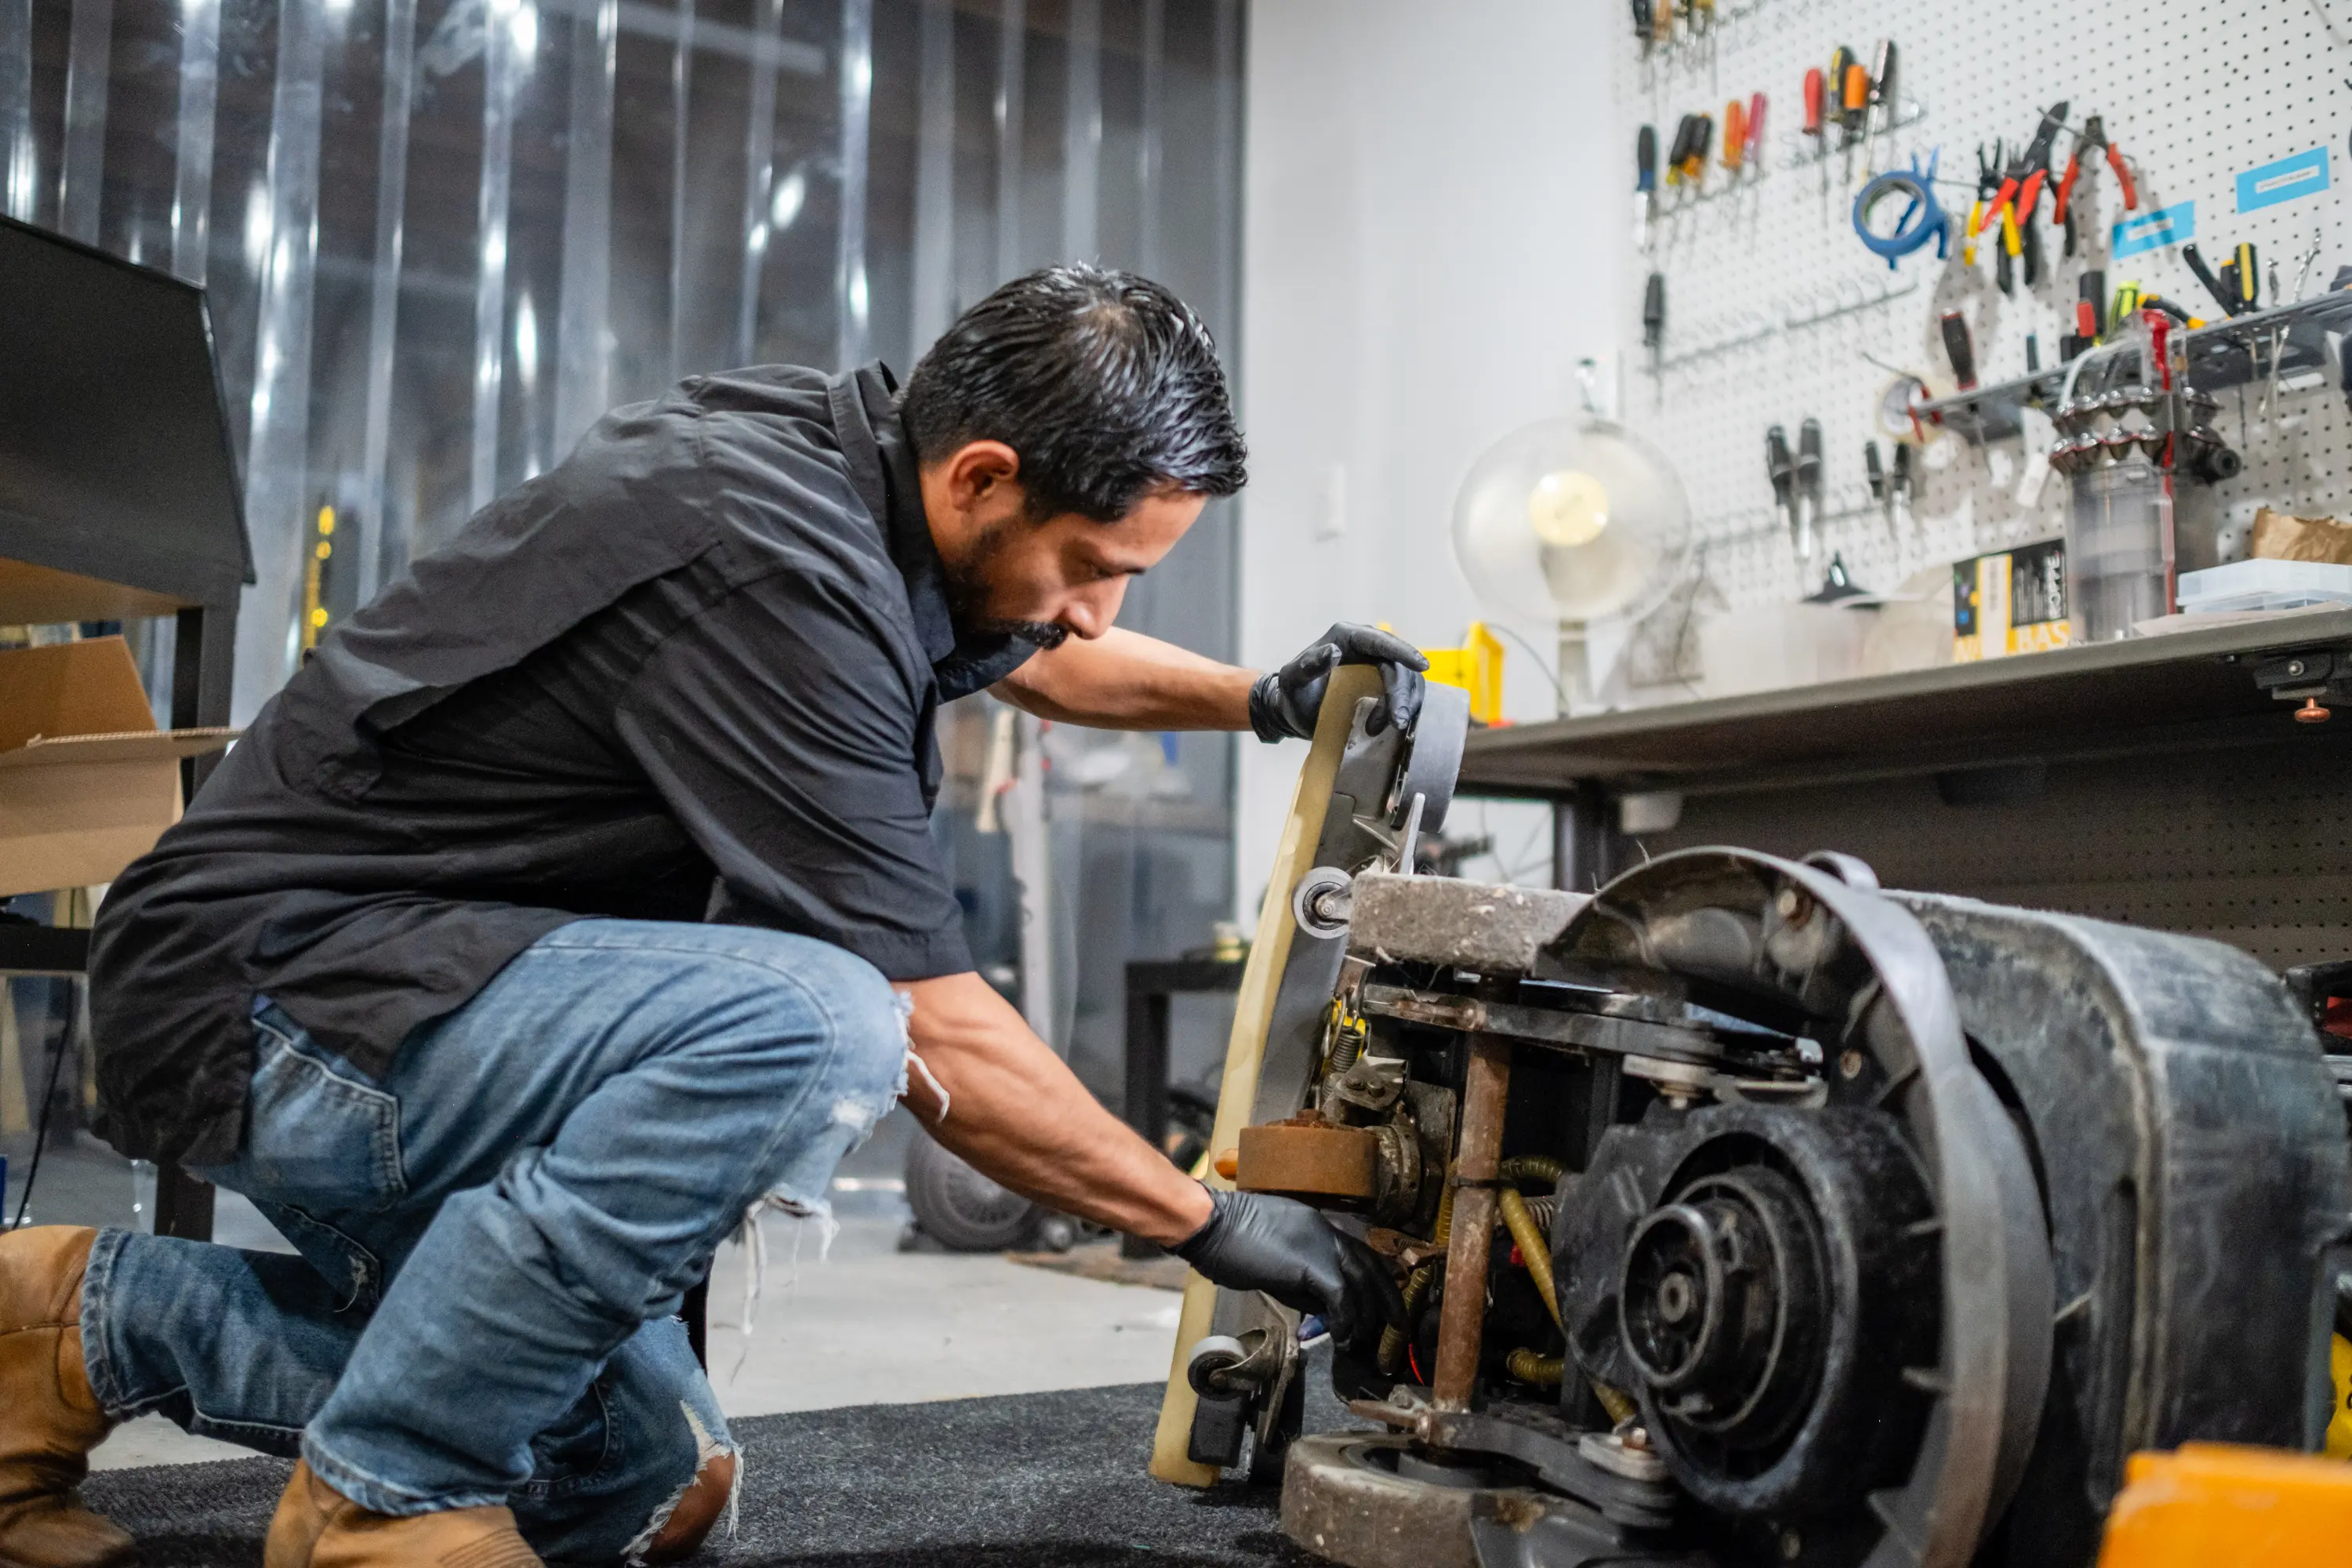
(1256, 1242)
(1286, 703)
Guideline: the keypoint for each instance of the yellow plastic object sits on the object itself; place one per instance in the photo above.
(1477, 668)
(2218, 1505)
(2339, 1430)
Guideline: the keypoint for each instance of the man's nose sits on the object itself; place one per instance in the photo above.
(1091, 611)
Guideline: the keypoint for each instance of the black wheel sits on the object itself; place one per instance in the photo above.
(960, 1209)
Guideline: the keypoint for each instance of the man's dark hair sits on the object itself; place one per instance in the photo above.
(1106, 385)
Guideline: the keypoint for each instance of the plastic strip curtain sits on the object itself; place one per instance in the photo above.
(1147, 147)
(19, 164)
(1228, 165)
(759, 177)
(849, 254)
(379, 551)
(681, 90)
(88, 53)
(1012, 52)
(582, 365)
(935, 177)
(503, 63)
(191, 184)
(276, 485)
(1082, 130)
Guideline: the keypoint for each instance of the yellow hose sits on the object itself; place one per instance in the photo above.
(1534, 1252)
(1391, 1358)
(1532, 1168)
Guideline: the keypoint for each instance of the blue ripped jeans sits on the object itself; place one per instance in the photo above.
(495, 1237)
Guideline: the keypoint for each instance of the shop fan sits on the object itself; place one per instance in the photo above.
(1580, 520)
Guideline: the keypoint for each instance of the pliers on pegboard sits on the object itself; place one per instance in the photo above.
(1988, 184)
(2094, 134)
(2014, 203)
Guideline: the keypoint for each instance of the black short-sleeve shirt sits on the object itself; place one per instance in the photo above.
(692, 673)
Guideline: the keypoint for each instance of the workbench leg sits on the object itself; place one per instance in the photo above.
(695, 1311)
(1581, 857)
(1147, 1082)
(203, 645)
(183, 1206)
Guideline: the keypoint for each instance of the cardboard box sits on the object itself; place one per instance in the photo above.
(86, 782)
(2009, 603)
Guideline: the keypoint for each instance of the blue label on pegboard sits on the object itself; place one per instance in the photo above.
(2303, 175)
(2166, 226)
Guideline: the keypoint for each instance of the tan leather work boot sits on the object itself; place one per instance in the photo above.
(318, 1527)
(49, 1420)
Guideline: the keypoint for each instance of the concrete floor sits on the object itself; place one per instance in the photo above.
(858, 1324)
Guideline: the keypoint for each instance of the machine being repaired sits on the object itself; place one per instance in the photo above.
(1811, 1223)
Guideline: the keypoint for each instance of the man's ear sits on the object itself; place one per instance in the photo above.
(978, 472)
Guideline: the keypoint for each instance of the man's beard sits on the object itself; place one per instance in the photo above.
(967, 588)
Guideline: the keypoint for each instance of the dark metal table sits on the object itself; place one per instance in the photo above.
(2151, 781)
(1149, 983)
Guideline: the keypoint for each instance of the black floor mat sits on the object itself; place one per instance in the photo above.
(1032, 1480)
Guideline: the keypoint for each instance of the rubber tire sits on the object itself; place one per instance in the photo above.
(960, 1209)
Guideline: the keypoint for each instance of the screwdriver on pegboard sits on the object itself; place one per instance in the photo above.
(1781, 470)
(1808, 486)
(1645, 184)
(1881, 112)
(1653, 321)
(1855, 101)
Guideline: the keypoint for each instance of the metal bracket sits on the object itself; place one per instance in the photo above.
(2316, 678)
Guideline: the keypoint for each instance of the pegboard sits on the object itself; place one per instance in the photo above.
(2250, 846)
(1775, 310)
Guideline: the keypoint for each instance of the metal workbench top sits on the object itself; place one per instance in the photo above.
(2188, 690)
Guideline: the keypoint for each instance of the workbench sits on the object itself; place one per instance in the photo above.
(2150, 781)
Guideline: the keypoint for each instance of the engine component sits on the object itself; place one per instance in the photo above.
(2176, 1103)
(1765, 1277)
(1322, 905)
(1308, 1157)
(1879, 1226)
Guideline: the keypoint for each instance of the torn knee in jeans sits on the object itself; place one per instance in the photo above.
(912, 1063)
(686, 1518)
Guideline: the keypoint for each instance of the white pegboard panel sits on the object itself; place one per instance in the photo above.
(1776, 311)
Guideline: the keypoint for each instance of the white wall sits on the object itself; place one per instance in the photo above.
(1432, 222)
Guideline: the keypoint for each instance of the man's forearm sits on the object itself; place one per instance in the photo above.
(1018, 1115)
(1125, 680)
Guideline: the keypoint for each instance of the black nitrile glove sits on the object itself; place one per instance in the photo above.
(1286, 703)
(1258, 1242)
